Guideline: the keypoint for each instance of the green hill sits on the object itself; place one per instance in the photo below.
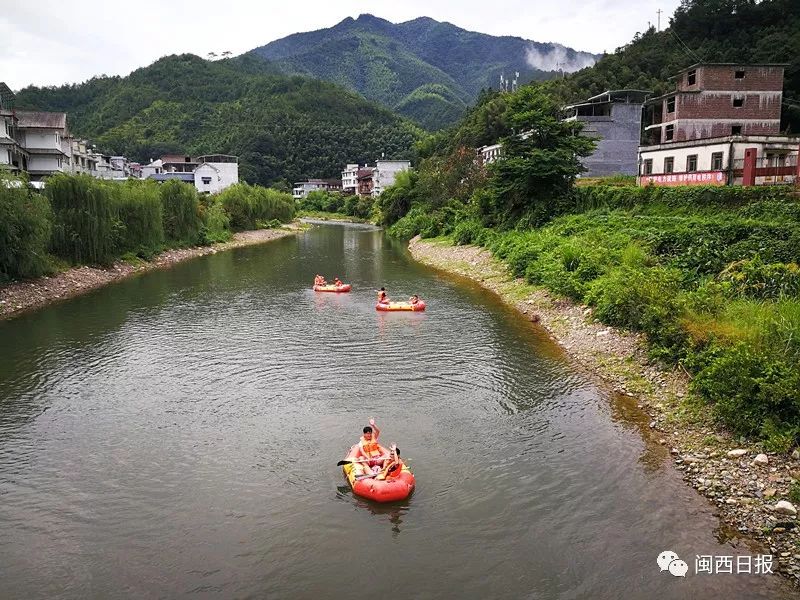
(425, 69)
(282, 127)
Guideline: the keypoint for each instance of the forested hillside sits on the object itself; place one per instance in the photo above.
(425, 69)
(701, 30)
(281, 127)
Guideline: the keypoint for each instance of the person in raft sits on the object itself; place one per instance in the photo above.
(337, 282)
(382, 297)
(320, 280)
(414, 299)
(369, 450)
(392, 466)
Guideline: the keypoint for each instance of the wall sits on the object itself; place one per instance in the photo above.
(616, 151)
(385, 173)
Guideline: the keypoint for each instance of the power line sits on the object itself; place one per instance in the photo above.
(689, 51)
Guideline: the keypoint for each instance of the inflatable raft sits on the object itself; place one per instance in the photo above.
(332, 288)
(392, 306)
(390, 489)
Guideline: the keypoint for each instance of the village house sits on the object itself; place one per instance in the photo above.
(209, 173)
(13, 157)
(614, 119)
(386, 172)
(489, 154)
(301, 189)
(372, 181)
(40, 134)
(350, 179)
(719, 126)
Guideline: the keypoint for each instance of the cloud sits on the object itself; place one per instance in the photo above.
(557, 59)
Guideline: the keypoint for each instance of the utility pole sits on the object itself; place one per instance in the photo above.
(658, 12)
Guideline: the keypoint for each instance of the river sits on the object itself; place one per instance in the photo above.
(176, 435)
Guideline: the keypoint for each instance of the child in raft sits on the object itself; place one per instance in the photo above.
(320, 280)
(413, 300)
(382, 297)
(337, 282)
(392, 466)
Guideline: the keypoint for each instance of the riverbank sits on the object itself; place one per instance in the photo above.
(22, 296)
(749, 488)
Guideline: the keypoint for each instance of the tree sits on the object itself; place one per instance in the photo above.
(541, 160)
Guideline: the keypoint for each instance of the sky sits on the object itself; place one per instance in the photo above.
(47, 43)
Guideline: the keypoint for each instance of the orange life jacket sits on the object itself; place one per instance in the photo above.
(370, 448)
(391, 470)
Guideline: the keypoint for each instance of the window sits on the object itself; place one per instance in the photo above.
(739, 74)
(669, 132)
(691, 163)
(206, 180)
(691, 77)
(716, 161)
(669, 164)
(738, 101)
(736, 130)
(671, 105)
(648, 166)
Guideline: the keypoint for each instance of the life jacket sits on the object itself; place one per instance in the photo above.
(370, 448)
(392, 470)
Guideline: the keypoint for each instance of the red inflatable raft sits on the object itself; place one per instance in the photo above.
(392, 306)
(332, 288)
(390, 489)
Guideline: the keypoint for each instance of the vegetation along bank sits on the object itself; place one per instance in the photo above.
(82, 232)
(704, 280)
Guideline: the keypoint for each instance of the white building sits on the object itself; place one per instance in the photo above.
(210, 173)
(301, 189)
(720, 161)
(385, 173)
(40, 134)
(227, 172)
(154, 167)
(489, 154)
(350, 179)
(12, 156)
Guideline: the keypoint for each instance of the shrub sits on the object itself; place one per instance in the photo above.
(246, 205)
(84, 219)
(25, 228)
(467, 232)
(754, 279)
(139, 212)
(181, 212)
(216, 225)
(752, 392)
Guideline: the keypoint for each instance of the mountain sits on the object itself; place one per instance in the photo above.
(427, 70)
(732, 31)
(281, 127)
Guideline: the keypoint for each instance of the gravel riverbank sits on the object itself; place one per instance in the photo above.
(22, 296)
(749, 487)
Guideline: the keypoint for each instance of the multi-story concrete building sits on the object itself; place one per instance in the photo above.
(210, 173)
(366, 181)
(385, 173)
(301, 189)
(720, 126)
(614, 119)
(350, 179)
(40, 134)
(13, 156)
(715, 100)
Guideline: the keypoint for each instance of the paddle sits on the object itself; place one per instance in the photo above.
(341, 463)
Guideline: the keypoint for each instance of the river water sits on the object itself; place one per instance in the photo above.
(176, 435)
